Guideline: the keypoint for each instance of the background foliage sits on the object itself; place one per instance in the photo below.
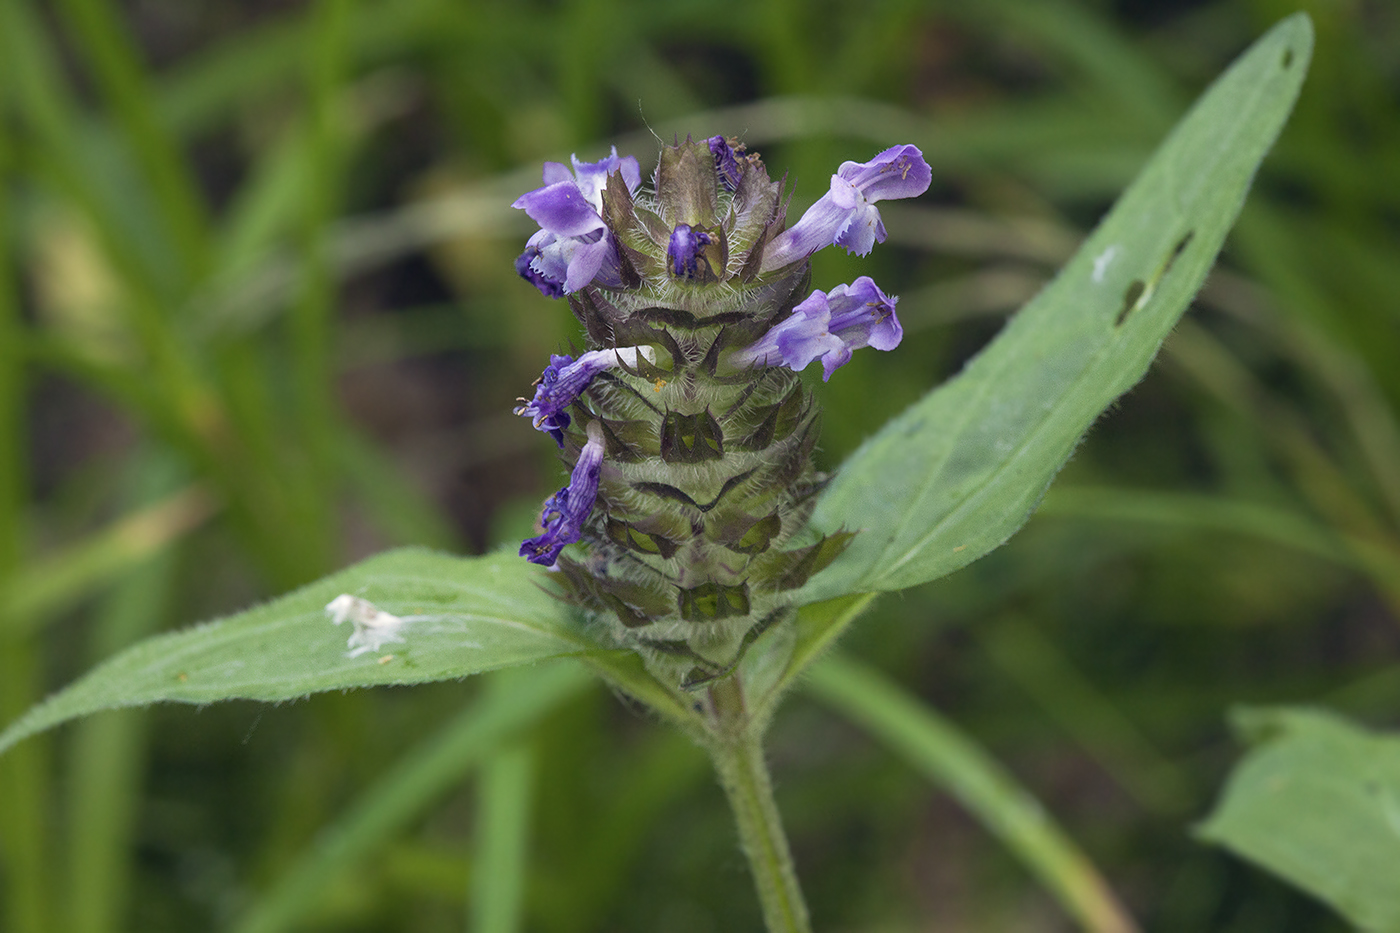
(258, 319)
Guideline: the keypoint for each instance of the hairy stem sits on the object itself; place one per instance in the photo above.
(735, 744)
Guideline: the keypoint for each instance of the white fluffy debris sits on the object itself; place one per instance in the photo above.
(374, 627)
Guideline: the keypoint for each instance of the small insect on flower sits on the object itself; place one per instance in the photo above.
(374, 627)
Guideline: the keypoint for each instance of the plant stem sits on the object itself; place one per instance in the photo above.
(735, 744)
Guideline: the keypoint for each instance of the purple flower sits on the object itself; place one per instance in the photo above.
(563, 380)
(566, 511)
(726, 165)
(524, 267)
(846, 215)
(683, 252)
(573, 247)
(830, 327)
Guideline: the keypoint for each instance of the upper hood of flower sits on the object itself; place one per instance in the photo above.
(571, 202)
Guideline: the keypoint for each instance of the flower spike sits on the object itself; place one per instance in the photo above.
(693, 538)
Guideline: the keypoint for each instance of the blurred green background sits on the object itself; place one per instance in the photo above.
(258, 319)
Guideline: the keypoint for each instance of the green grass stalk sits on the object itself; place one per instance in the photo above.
(938, 750)
(24, 797)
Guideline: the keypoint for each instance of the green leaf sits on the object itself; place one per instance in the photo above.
(816, 629)
(626, 671)
(1317, 802)
(463, 615)
(955, 475)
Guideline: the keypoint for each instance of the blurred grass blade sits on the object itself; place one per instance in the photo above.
(1198, 512)
(62, 580)
(24, 778)
(107, 752)
(1091, 41)
(419, 778)
(107, 762)
(267, 279)
(265, 206)
(1317, 802)
(460, 616)
(934, 747)
(119, 76)
(310, 335)
(14, 455)
(501, 865)
(955, 475)
(1328, 488)
(1195, 512)
(402, 511)
(26, 787)
(71, 157)
(651, 781)
(1087, 714)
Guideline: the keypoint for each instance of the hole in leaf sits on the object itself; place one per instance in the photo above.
(1178, 250)
(1130, 299)
(1287, 57)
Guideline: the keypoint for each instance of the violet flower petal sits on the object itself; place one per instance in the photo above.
(572, 248)
(726, 165)
(863, 315)
(861, 230)
(592, 177)
(551, 259)
(555, 172)
(564, 379)
(586, 259)
(561, 382)
(683, 252)
(830, 327)
(566, 511)
(561, 208)
(898, 172)
(846, 215)
(525, 268)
